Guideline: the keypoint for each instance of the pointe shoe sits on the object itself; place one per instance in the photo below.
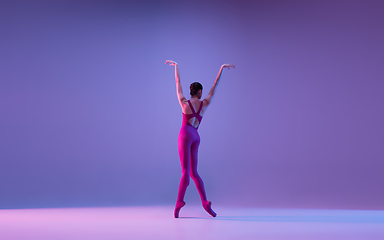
(207, 207)
(179, 205)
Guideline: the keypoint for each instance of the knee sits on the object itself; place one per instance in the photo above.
(194, 174)
(185, 177)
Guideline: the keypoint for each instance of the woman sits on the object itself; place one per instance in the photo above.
(189, 139)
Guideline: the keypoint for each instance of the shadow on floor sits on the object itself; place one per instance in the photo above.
(332, 219)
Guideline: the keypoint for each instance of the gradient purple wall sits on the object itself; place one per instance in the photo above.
(89, 114)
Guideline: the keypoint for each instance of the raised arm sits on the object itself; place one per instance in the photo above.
(179, 90)
(208, 99)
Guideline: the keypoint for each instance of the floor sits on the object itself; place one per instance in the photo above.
(157, 222)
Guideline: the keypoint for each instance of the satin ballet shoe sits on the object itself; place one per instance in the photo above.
(179, 205)
(207, 207)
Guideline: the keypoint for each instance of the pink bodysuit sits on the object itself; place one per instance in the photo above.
(189, 141)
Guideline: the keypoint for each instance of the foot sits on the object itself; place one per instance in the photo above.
(179, 205)
(207, 207)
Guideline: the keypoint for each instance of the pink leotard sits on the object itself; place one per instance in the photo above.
(186, 117)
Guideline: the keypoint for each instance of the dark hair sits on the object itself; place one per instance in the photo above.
(195, 87)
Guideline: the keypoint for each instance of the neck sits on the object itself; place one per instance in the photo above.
(194, 97)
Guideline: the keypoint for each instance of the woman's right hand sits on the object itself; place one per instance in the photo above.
(227, 65)
(172, 63)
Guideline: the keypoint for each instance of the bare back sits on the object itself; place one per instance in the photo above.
(186, 109)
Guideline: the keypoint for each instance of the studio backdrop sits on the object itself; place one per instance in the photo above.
(89, 114)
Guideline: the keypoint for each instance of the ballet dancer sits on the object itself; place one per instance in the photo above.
(189, 139)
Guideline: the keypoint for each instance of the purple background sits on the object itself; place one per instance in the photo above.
(89, 114)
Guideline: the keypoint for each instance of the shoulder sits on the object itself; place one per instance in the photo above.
(206, 102)
(186, 107)
(184, 103)
(204, 106)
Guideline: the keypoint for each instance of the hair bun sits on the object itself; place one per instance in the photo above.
(195, 87)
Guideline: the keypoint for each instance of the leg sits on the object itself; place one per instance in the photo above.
(194, 174)
(197, 179)
(184, 152)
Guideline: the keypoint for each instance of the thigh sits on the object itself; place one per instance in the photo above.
(194, 153)
(184, 143)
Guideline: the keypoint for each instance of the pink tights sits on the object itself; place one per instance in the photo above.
(189, 141)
